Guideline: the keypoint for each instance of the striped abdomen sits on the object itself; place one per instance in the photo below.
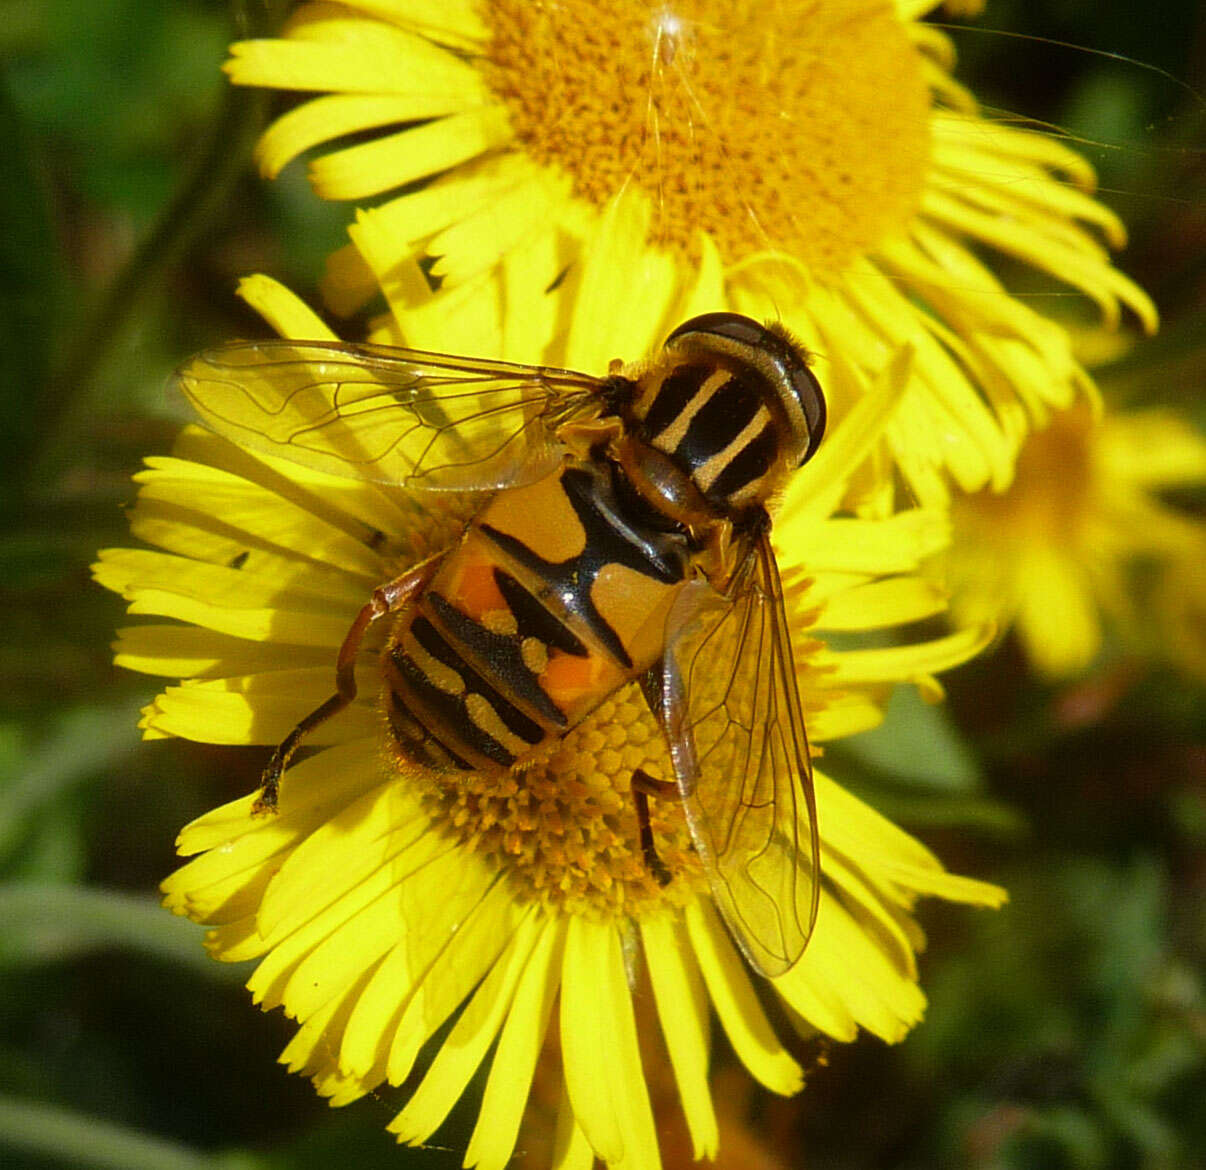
(552, 600)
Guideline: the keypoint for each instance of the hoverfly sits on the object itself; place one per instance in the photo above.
(622, 536)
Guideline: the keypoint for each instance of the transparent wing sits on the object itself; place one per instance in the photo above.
(731, 709)
(398, 416)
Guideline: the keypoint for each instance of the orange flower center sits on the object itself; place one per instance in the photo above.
(565, 828)
(783, 126)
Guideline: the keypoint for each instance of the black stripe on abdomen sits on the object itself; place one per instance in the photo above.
(450, 708)
(417, 739)
(503, 652)
(534, 619)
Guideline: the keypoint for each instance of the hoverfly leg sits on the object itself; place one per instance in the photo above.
(386, 599)
(643, 787)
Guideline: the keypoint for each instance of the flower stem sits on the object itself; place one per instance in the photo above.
(74, 1139)
(203, 197)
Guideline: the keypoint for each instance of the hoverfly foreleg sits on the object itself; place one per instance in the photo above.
(643, 787)
(386, 599)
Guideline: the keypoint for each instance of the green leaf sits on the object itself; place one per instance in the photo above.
(916, 746)
(46, 923)
(68, 1137)
(83, 742)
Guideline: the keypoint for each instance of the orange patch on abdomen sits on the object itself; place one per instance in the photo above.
(471, 587)
(577, 684)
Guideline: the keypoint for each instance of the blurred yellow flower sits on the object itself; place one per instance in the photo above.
(385, 907)
(813, 162)
(1055, 555)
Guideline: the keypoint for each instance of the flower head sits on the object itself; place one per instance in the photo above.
(1055, 555)
(813, 162)
(385, 906)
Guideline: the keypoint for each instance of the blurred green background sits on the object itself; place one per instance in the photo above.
(1069, 1030)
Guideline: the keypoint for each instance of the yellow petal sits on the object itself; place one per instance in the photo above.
(851, 667)
(252, 517)
(855, 545)
(859, 831)
(466, 318)
(707, 292)
(229, 711)
(972, 445)
(571, 1149)
(347, 282)
(465, 1047)
(310, 1051)
(457, 23)
(268, 624)
(1095, 277)
(588, 1044)
(320, 960)
(191, 652)
(1155, 448)
(478, 240)
(951, 129)
(682, 1009)
(385, 164)
(1056, 617)
(132, 571)
(844, 714)
(603, 1072)
(843, 450)
(623, 290)
(529, 314)
(887, 854)
(808, 991)
(419, 215)
(364, 511)
(284, 310)
(435, 889)
(229, 901)
(868, 907)
(891, 601)
(317, 785)
(350, 56)
(463, 950)
(519, 1048)
(334, 115)
(736, 1003)
(878, 997)
(367, 834)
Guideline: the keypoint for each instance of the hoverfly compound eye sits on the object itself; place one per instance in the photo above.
(811, 397)
(733, 326)
(769, 350)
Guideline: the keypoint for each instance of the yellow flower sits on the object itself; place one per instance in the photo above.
(386, 909)
(1055, 555)
(815, 162)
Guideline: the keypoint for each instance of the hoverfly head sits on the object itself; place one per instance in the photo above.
(735, 405)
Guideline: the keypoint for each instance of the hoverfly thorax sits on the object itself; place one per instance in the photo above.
(732, 405)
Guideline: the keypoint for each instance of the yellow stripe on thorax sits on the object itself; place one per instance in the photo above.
(670, 438)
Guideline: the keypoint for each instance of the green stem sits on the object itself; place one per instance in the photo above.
(202, 199)
(73, 1139)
